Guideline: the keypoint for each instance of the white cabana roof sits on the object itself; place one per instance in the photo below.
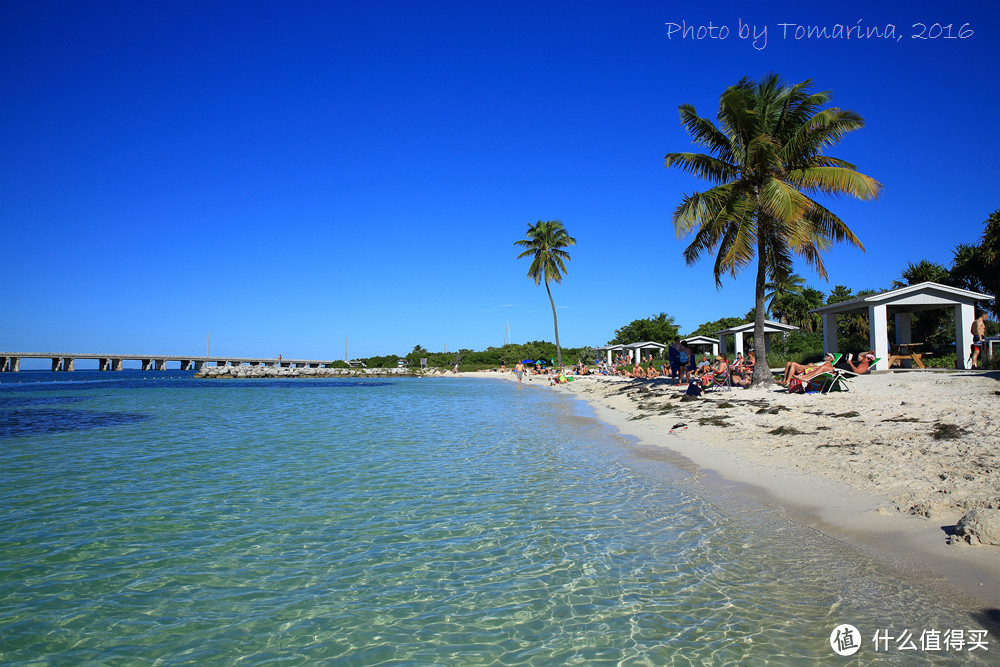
(605, 348)
(770, 326)
(635, 346)
(700, 340)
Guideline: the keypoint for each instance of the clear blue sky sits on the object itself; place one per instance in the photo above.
(285, 176)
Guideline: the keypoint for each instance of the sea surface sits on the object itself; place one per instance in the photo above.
(150, 518)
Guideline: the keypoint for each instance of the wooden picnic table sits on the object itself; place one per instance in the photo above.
(903, 351)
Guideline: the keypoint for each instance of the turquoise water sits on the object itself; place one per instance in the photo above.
(162, 520)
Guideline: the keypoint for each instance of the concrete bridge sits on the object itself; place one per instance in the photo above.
(10, 362)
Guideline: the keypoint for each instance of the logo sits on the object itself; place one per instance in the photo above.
(845, 639)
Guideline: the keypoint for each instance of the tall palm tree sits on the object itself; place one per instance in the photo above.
(544, 244)
(766, 164)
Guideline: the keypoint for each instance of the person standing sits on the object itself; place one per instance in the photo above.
(519, 371)
(978, 337)
(674, 354)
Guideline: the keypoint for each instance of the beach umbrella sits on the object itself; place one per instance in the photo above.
(527, 361)
(540, 362)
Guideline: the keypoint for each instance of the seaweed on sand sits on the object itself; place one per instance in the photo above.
(943, 431)
(786, 430)
(714, 420)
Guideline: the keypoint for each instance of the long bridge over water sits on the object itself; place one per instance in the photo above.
(10, 362)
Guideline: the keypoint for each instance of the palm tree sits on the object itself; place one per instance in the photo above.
(780, 287)
(977, 267)
(544, 244)
(766, 164)
(922, 272)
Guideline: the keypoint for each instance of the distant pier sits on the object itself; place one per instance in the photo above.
(10, 362)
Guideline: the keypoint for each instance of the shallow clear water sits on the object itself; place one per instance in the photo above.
(152, 518)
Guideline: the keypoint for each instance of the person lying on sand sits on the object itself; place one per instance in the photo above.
(797, 371)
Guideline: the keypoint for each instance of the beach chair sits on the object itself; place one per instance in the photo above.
(721, 380)
(839, 379)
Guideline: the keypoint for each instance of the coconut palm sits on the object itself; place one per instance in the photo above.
(922, 272)
(766, 163)
(544, 244)
(977, 267)
(780, 287)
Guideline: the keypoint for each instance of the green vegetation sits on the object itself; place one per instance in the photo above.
(766, 163)
(473, 360)
(544, 244)
(657, 329)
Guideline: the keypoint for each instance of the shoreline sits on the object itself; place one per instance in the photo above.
(895, 522)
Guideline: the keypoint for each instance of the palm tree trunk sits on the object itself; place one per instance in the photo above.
(555, 323)
(761, 371)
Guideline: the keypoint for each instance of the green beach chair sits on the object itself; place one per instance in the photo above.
(839, 380)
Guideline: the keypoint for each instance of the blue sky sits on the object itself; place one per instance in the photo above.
(288, 176)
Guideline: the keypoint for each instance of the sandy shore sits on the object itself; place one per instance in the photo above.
(891, 465)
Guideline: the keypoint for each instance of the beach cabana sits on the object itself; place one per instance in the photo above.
(636, 349)
(611, 349)
(702, 342)
(901, 303)
(738, 332)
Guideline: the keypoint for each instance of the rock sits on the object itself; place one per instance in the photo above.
(980, 525)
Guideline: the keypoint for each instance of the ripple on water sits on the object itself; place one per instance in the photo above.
(416, 521)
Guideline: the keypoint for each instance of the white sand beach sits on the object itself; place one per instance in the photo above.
(891, 465)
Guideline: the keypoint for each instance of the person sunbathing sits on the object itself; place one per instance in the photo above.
(717, 370)
(637, 372)
(738, 362)
(797, 371)
(651, 373)
(865, 360)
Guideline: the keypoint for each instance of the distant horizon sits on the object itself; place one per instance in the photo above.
(287, 177)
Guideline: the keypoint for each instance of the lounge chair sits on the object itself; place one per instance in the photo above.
(839, 379)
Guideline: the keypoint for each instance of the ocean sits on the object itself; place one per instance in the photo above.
(150, 518)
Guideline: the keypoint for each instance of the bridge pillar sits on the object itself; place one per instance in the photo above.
(159, 364)
(147, 364)
(198, 365)
(67, 364)
(14, 364)
(117, 364)
(103, 364)
(56, 363)
(186, 364)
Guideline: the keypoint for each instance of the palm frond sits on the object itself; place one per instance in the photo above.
(704, 166)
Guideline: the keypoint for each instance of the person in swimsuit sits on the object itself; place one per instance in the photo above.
(806, 372)
(865, 360)
(978, 337)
